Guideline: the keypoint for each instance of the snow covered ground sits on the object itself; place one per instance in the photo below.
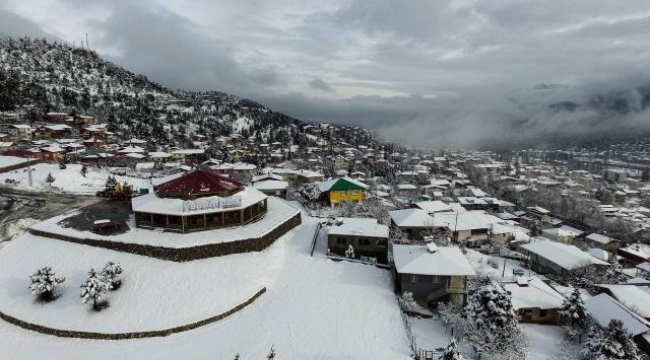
(12, 160)
(494, 265)
(278, 212)
(315, 309)
(69, 180)
(152, 293)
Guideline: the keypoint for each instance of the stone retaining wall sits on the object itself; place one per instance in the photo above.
(188, 253)
(130, 335)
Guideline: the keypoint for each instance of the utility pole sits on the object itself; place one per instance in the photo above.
(87, 46)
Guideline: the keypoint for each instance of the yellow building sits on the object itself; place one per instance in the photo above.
(340, 190)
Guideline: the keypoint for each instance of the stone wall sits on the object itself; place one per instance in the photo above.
(187, 253)
(130, 335)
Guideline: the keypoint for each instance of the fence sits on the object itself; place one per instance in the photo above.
(316, 233)
(187, 253)
(130, 335)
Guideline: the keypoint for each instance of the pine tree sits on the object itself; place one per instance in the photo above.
(271, 355)
(112, 274)
(50, 179)
(94, 288)
(492, 322)
(614, 344)
(575, 314)
(110, 183)
(84, 170)
(44, 282)
(450, 352)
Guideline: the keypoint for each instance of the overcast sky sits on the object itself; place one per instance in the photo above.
(450, 72)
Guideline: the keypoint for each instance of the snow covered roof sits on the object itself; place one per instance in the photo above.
(567, 257)
(433, 206)
(603, 308)
(468, 220)
(327, 185)
(534, 294)
(631, 296)
(413, 218)
(271, 185)
(198, 183)
(601, 239)
(359, 227)
(417, 259)
(563, 230)
(406, 187)
(151, 203)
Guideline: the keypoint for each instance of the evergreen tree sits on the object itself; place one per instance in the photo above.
(94, 288)
(615, 343)
(111, 182)
(492, 322)
(575, 314)
(271, 355)
(50, 179)
(44, 282)
(112, 274)
(84, 170)
(450, 352)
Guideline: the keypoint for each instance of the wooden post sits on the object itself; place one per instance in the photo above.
(151, 219)
(167, 221)
(241, 216)
(205, 220)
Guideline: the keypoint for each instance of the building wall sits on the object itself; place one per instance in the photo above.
(536, 315)
(377, 248)
(421, 285)
(339, 196)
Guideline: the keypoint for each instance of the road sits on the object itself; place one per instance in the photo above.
(19, 209)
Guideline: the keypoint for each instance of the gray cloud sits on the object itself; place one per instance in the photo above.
(319, 84)
(458, 72)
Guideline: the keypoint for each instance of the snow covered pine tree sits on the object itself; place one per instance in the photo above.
(112, 274)
(575, 315)
(492, 322)
(615, 343)
(94, 288)
(44, 282)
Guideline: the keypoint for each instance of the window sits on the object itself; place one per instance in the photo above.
(364, 242)
(528, 312)
(355, 192)
(340, 241)
(435, 279)
(414, 279)
(343, 193)
(542, 313)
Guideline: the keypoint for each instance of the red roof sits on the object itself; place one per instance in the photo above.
(199, 183)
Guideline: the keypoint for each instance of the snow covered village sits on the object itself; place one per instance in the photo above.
(144, 222)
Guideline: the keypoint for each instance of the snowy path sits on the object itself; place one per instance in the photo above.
(317, 309)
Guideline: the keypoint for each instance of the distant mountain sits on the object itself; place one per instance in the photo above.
(50, 76)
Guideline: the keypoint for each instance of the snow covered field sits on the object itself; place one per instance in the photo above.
(11, 160)
(152, 294)
(314, 309)
(278, 212)
(69, 180)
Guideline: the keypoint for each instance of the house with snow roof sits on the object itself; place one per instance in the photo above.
(602, 242)
(200, 200)
(415, 223)
(533, 300)
(603, 309)
(431, 273)
(564, 234)
(562, 259)
(366, 236)
(343, 189)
